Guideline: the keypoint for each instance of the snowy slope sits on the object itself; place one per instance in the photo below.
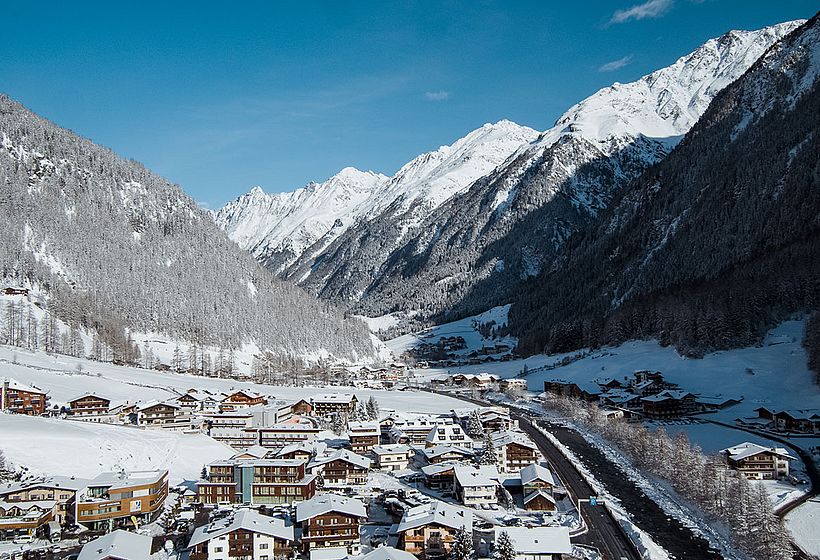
(666, 104)
(59, 377)
(85, 449)
(288, 223)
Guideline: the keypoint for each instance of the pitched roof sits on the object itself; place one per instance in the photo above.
(391, 448)
(439, 450)
(325, 503)
(534, 472)
(748, 449)
(509, 436)
(539, 493)
(86, 395)
(436, 513)
(538, 540)
(387, 553)
(667, 395)
(341, 455)
(244, 519)
(117, 544)
(69, 483)
(17, 386)
(485, 475)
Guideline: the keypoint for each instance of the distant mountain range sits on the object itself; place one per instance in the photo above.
(461, 229)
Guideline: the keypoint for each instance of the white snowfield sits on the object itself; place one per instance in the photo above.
(58, 376)
(73, 448)
(774, 375)
(51, 446)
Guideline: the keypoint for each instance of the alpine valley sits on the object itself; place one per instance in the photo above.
(460, 230)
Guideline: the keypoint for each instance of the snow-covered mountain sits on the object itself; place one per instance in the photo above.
(277, 228)
(719, 242)
(459, 229)
(112, 250)
(292, 228)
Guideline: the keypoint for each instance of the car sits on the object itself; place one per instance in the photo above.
(23, 539)
(55, 549)
(73, 556)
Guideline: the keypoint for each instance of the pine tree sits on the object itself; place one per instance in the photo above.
(504, 549)
(474, 426)
(337, 426)
(372, 408)
(204, 474)
(462, 548)
(488, 454)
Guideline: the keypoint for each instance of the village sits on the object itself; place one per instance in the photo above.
(331, 477)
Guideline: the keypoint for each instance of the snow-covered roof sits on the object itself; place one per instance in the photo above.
(534, 472)
(748, 449)
(67, 482)
(15, 385)
(256, 451)
(509, 436)
(667, 395)
(436, 513)
(119, 544)
(321, 504)
(329, 553)
(346, 398)
(247, 520)
(342, 455)
(538, 540)
(364, 428)
(469, 477)
(391, 448)
(306, 446)
(447, 433)
(387, 553)
(151, 404)
(87, 395)
(40, 505)
(127, 478)
(439, 450)
(430, 470)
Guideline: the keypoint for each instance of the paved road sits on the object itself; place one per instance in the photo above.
(604, 533)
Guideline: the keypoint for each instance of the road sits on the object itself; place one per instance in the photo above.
(604, 532)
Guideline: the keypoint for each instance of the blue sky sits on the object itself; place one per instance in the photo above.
(219, 97)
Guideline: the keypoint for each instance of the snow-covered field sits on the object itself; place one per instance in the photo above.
(84, 449)
(465, 327)
(804, 524)
(775, 374)
(61, 378)
(55, 446)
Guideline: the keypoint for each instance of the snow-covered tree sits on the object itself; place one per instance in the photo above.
(462, 548)
(372, 408)
(504, 549)
(488, 454)
(337, 425)
(474, 427)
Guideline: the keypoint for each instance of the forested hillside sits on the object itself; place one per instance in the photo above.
(117, 247)
(712, 245)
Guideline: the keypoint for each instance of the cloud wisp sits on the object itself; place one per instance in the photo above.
(615, 64)
(437, 95)
(647, 10)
